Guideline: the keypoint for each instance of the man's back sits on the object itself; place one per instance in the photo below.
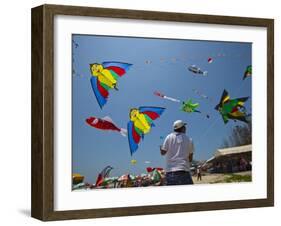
(178, 147)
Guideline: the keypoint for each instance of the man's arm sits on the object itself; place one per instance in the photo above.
(164, 148)
(191, 150)
(162, 151)
(190, 157)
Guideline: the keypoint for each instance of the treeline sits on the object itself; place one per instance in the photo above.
(239, 135)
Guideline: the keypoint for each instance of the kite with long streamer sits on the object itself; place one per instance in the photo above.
(105, 123)
(186, 106)
(157, 93)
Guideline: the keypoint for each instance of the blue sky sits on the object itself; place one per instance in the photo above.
(158, 65)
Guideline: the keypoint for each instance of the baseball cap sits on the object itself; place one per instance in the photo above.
(178, 124)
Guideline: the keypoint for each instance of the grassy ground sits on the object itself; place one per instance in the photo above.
(224, 178)
(237, 178)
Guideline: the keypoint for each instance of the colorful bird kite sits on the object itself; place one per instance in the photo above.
(232, 108)
(104, 77)
(105, 123)
(141, 121)
(248, 72)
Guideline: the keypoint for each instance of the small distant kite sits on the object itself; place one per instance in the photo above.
(202, 95)
(104, 77)
(248, 72)
(232, 108)
(102, 175)
(141, 121)
(105, 123)
(133, 161)
(76, 45)
(147, 162)
(189, 107)
(197, 70)
(210, 60)
(156, 93)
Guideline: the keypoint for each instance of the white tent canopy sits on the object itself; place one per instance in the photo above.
(233, 150)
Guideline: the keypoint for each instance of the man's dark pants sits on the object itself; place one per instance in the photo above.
(178, 178)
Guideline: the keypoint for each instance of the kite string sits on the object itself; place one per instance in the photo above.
(212, 125)
(208, 129)
(239, 88)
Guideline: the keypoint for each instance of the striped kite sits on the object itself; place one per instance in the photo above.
(141, 121)
(232, 108)
(104, 77)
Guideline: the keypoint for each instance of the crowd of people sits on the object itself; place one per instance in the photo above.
(154, 177)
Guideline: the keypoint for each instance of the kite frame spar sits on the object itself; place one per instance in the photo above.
(43, 108)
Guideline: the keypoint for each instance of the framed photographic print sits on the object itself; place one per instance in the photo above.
(141, 112)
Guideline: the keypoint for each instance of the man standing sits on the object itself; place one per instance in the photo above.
(178, 149)
(198, 171)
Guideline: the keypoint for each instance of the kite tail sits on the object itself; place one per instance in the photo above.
(123, 132)
(205, 73)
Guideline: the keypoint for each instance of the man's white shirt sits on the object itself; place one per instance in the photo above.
(178, 147)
